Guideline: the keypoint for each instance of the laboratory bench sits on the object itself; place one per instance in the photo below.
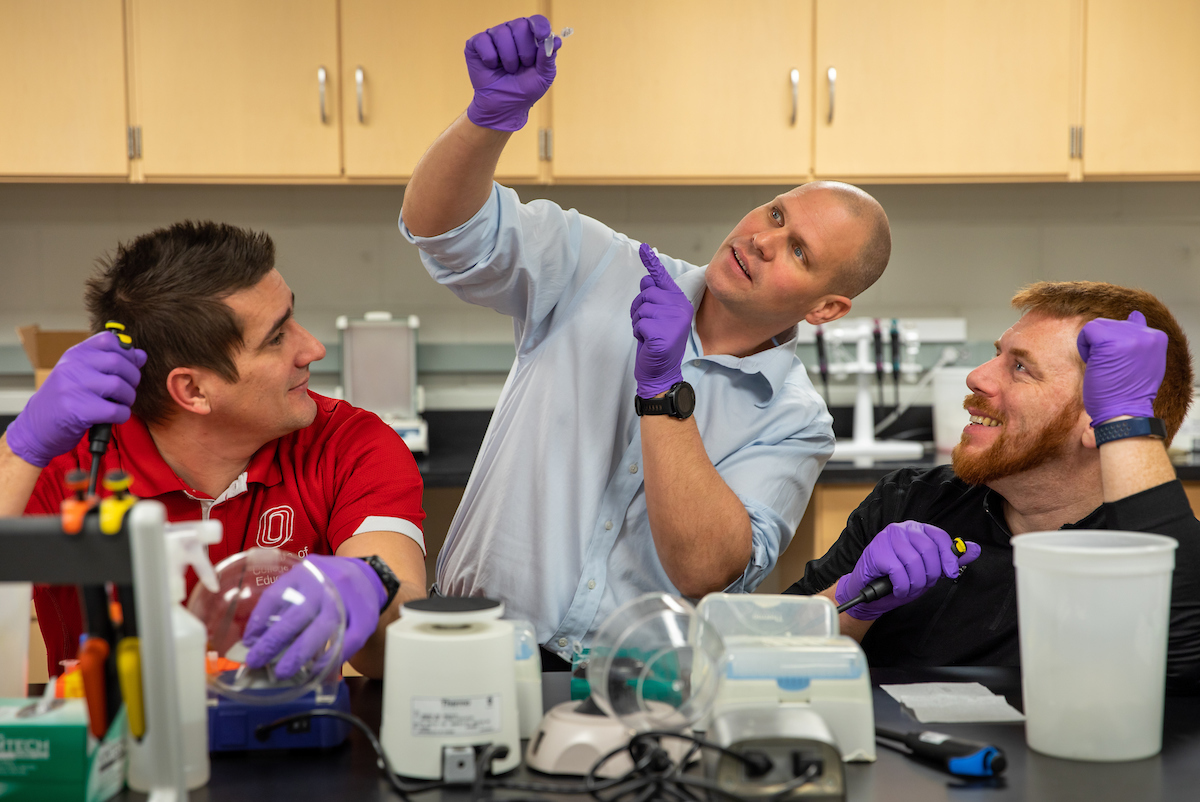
(349, 771)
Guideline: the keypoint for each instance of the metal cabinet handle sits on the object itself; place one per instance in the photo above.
(795, 94)
(359, 77)
(831, 75)
(321, 76)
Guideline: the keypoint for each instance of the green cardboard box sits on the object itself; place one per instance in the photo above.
(51, 757)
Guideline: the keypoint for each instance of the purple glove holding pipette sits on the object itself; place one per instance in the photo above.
(913, 555)
(93, 382)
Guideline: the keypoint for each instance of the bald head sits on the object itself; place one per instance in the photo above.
(875, 247)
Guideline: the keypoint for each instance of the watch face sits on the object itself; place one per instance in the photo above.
(685, 399)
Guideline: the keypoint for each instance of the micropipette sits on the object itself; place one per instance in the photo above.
(879, 360)
(896, 359)
(823, 362)
(881, 586)
(549, 40)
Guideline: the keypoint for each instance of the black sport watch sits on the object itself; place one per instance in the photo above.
(679, 402)
(390, 582)
(1130, 427)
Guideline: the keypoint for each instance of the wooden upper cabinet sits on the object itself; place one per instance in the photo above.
(703, 90)
(227, 88)
(1142, 97)
(404, 80)
(945, 88)
(63, 92)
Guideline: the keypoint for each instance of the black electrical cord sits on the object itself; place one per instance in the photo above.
(654, 774)
(262, 731)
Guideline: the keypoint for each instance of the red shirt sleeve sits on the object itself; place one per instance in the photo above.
(372, 473)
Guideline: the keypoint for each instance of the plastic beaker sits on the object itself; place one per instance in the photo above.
(1093, 609)
(243, 578)
(654, 664)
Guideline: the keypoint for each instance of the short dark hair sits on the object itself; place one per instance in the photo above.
(1094, 299)
(168, 288)
(873, 255)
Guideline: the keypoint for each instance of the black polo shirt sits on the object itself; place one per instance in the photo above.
(973, 620)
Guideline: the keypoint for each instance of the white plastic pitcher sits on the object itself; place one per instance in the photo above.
(1093, 608)
(15, 600)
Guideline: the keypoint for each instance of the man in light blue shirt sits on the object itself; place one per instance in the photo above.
(579, 502)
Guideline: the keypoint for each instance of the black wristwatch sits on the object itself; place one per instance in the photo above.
(1130, 427)
(390, 583)
(679, 402)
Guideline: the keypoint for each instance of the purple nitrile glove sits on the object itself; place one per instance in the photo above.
(305, 621)
(510, 71)
(1126, 361)
(93, 382)
(913, 555)
(662, 317)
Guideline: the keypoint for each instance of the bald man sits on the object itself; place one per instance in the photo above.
(675, 452)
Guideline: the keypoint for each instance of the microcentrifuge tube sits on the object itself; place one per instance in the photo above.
(549, 40)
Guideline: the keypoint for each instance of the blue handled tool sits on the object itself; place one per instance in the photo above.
(956, 756)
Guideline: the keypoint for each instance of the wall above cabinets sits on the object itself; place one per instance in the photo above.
(669, 92)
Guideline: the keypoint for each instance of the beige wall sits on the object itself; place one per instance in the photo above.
(959, 250)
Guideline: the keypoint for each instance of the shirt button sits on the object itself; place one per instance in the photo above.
(591, 584)
(608, 524)
(633, 468)
(695, 363)
(562, 641)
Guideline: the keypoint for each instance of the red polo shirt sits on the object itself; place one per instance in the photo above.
(308, 491)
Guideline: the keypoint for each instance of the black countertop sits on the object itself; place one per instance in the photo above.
(455, 437)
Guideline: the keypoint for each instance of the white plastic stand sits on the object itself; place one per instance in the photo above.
(864, 449)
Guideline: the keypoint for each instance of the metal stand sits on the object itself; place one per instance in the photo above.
(36, 549)
(864, 449)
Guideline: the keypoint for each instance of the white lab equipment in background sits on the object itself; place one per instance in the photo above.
(379, 373)
(860, 333)
(14, 638)
(949, 416)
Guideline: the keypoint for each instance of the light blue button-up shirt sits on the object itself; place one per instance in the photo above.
(553, 521)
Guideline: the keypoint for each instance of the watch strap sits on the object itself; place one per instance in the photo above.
(652, 406)
(391, 583)
(1130, 427)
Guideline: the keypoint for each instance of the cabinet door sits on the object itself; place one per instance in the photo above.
(1142, 102)
(226, 88)
(683, 90)
(63, 92)
(956, 88)
(404, 81)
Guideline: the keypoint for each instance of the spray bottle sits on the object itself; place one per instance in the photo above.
(187, 544)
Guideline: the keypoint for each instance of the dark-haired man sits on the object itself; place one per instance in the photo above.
(583, 498)
(224, 426)
(1068, 429)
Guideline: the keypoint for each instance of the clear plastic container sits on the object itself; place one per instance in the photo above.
(654, 664)
(1093, 608)
(243, 578)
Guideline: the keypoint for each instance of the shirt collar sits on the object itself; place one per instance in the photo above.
(993, 505)
(773, 364)
(152, 476)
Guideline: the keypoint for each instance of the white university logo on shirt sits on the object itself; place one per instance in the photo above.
(275, 527)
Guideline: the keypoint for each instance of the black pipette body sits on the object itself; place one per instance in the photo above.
(101, 433)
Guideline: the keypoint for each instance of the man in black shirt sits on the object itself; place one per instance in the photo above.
(1029, 461)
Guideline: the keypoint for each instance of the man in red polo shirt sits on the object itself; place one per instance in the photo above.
(223, 426)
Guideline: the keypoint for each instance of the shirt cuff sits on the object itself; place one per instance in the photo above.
(385, 523)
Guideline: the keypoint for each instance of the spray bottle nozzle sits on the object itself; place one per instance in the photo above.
(187, 544)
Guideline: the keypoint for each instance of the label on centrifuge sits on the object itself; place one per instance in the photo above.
(456, 715)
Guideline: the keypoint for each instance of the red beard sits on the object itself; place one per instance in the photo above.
(1012, 455)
